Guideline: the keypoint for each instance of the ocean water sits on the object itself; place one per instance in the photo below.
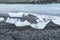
(48, 9)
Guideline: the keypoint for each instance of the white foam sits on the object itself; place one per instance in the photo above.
(40, 19)
(26, 13)
(16, 14)
(1, 19)
(11, 20)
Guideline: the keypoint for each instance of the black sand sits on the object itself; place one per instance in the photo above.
(11, 32)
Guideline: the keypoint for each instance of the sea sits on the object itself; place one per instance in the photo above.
(46, 9)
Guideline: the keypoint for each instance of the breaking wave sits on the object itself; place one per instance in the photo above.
(36, 21)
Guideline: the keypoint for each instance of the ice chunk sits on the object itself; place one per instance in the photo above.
(19, 23)
(11, 20)
(34, 26)
(40, 25)
(1, 19)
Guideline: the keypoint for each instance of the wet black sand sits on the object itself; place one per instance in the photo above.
(11, 32)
